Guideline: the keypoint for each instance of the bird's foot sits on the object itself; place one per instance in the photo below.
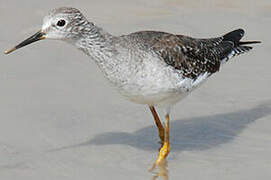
(164, 151)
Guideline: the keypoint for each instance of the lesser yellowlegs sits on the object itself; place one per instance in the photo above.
(147, 67)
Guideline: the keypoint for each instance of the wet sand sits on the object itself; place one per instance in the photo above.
(60, 119)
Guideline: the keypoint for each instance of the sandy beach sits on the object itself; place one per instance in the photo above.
(61, 120)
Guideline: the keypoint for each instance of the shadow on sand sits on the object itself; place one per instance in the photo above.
(197, 133)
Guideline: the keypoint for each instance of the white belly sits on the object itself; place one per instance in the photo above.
(161, 91)
(160, 99)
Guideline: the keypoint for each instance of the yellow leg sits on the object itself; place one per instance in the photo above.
(165, 149)
(159, 125)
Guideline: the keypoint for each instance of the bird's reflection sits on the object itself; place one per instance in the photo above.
(160, 170)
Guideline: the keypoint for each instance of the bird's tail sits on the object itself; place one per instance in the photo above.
(239, 47)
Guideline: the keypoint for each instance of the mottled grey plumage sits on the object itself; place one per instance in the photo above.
(189, 55)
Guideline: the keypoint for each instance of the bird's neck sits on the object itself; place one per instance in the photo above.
(100, 46)
(96, 43)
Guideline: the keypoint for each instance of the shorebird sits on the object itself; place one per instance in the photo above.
(154, 68)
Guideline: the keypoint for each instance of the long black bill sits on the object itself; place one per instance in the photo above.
(36, 37)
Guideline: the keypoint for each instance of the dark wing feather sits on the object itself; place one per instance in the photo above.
(191, 56)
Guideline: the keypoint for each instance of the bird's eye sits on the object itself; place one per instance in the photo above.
(61, 23)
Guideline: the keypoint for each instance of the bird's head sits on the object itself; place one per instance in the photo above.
(63, 23)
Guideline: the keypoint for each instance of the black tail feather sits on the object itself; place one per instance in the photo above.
(248, 42)
(234, 36)
(238, 47)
